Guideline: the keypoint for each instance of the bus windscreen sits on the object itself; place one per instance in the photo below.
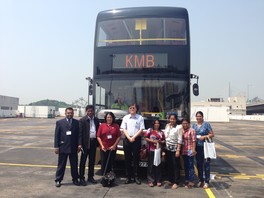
(142, 31)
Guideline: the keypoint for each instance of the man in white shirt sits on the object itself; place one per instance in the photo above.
(132, 125)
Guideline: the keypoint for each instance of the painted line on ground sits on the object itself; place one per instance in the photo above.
(249, 146)
(208, 190)
(28, 147)
(96, 167)
(209, 193)
(239, 175)
(29, 165)
(239, 156)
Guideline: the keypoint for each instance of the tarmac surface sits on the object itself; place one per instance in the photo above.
(28, 164)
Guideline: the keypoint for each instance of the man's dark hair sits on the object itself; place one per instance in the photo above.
(69, 108)
(134, 104)
(89, 107)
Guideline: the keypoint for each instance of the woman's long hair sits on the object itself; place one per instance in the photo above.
(111, 114)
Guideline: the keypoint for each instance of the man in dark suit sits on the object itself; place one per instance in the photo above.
(67, 143)
(89, 125)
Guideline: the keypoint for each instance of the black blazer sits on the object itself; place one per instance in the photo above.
(84, 127)
(67, 143)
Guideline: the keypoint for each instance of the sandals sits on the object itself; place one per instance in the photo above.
(174, 186)
(205, 186)
(186, 182)
(200, 184)
(152, 184)
(190, 185)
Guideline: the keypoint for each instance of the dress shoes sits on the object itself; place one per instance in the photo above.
(138, 181)
(92, 180)
(76, 182)
(128, 180)
(58, 184)
(83, 182)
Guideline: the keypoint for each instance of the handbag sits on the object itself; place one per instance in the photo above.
(157, 156)
(143, 154)
(108, 179)
(209, 149)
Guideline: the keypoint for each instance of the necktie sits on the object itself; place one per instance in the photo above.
(70, 122)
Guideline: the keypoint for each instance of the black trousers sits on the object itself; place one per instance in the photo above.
(62, 161)
(90, 153)
(104, 157)
(131, 150)
(154, 172)
(173, 167)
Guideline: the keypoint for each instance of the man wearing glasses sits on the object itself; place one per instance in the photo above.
(132, 125)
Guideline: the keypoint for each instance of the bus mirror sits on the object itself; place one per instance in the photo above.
(90, 89)
(195, 89)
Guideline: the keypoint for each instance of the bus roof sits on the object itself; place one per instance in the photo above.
(142, 12)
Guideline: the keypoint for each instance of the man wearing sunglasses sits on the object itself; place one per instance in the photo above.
(132, 125)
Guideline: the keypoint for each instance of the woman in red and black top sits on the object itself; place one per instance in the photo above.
(108, 136)
(155, 137)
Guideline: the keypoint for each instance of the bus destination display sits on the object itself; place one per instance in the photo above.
(140, 60)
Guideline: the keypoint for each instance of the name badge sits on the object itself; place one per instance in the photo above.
(109, 137)
(68, 132)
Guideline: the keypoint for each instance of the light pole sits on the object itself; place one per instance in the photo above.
(89, 79)
(248, 92)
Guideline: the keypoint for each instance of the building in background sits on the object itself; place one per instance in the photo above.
(217, 110)
(78, 112)
(36, 111)
(8, 106)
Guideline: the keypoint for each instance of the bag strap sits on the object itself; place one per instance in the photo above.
(157, 145)
(208, 139)
(109, 154)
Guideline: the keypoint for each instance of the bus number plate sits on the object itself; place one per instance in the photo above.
(143, 164)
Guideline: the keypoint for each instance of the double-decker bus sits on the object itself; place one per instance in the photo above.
(142, 55)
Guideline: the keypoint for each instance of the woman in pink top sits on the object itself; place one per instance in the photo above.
(154, 137)
(188, 151)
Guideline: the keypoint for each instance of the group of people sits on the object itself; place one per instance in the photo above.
(73, 136)
(180, 140)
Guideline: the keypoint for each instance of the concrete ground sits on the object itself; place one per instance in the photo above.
(28, 164)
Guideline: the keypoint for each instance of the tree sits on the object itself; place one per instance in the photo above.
(57, 104)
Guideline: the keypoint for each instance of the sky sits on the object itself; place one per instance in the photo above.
(46, 46)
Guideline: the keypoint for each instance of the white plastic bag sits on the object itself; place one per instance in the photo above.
(157, 157)
(209, 149)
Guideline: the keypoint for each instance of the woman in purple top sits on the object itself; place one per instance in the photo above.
(203, 130)
(155, 137)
